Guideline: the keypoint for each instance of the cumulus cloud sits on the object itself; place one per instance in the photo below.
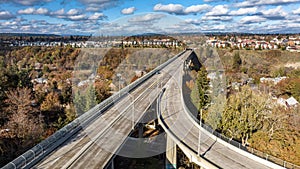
(252, 19)
(73, 12)
(197, 8)
(128, 11)
(31, 11)
(275, 13)
(98, 5)
(58, 12)
(217, 18)
(97, 16)
(76, 15)
(219, 10)
(251, 3)
(170, 8)
(179, 9)
(297, 11)
(25, 2)
(146, 18)
(6, 15)
(243, 11)
(42, 11)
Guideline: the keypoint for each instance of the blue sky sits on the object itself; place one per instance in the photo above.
(117, 17)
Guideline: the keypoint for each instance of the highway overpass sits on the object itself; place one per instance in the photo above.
(91, 140)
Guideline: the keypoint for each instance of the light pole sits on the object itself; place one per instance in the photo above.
(133, 120)
(119, 77)
(200, 123)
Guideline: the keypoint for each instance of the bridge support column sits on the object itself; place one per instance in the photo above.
(171, 154)
(141, 130)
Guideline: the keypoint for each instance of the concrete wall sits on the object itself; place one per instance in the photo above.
(171, 154)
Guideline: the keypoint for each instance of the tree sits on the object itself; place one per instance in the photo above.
(19, 101)
(244, 114)
(218, 101)
(91, 99)
(51, 107)
(85, 100)
(24, 127)
(203, 87)
(237, 61)
(51, 102)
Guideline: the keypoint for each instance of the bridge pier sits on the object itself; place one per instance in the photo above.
(141, 130)
(171, 154)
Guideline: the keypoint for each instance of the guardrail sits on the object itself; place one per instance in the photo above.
(245, 149)
(41, 150)
(186, 148)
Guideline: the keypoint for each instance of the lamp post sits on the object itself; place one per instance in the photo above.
(120, 78)
(133, 120)
(200, 123)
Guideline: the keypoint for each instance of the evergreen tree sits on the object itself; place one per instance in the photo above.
(203, 87)
(244, 114)
(218, 100)
(237, 61)
(90, 97)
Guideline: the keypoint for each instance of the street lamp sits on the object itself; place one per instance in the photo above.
(120, 78)
(200, 123)
(133, 120)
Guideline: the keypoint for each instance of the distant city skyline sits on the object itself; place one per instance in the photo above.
(84, 17)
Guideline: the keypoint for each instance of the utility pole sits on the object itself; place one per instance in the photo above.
(200, 123)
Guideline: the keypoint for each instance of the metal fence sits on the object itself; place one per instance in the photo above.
(253, 151)
(41, 150)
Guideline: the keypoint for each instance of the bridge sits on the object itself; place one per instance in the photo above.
(93, 139)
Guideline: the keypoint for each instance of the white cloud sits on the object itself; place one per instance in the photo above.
(31, 11)
(9, 23)
(25, 2)
(73, 12)
(179, 9)
(297, 11)
(27, 11)
(275, 13)
(217, 18)
(42, 11)
(197, 8)
(218, 10)
(252, 19)
(58, 12)
(97, 5)
(96, 16)
(251, 3)
(170, 8)
(243, 11)
(77, 17)
(146, 18)
(5, 15)
(128, 11)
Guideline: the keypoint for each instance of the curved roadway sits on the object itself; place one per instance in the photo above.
(95, 145)
(176, 120)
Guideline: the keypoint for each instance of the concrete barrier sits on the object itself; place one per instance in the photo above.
(41, 150)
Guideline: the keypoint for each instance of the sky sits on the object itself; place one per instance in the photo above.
(85, 17)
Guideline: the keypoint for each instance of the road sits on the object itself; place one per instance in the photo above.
(178, 123)
(95, 144)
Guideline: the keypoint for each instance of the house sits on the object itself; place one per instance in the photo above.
(291, 102)
(288, 103)
(40, 81)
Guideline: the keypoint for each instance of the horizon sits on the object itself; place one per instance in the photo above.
(86, 17)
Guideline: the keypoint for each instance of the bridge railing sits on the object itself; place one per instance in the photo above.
(178, 141)
(236, 144)
(41, 150)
